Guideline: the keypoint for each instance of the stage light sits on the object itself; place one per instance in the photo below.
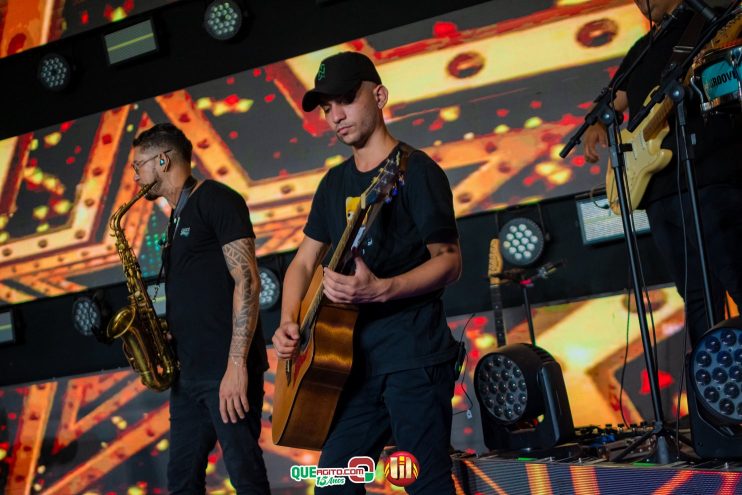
(715, 391)
(270, 288)
(54, 72)
(521, 241)
(516, 386)
(223, 19)
(716, 364)
(90, 316)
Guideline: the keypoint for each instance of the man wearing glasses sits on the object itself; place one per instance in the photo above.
(212, 288)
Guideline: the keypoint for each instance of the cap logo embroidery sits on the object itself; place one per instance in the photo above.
(321, 72)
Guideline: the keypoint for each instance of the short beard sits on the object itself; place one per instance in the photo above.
(152, 193)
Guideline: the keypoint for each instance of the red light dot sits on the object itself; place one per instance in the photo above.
(84, 17)
(595, 169)
(256, 72)
(535, 104)
(418, 122)
(233, 134)
(436, 125)
(479, 321)
(231, 99)
(293, 140)
(276, 155)
(230, 80)
(65, 126)
(578, 161)
(70, 160)
(269, 98)
(502, 112)
(78, 149)
(445, 29)
(12, 416)
(528, 181)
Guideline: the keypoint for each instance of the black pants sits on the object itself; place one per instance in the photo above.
(721, 217)
(195, 426)
(414, 406)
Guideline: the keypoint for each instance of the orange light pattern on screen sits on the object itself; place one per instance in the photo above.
(52, 260)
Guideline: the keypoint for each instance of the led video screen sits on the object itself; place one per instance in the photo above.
(490, 92)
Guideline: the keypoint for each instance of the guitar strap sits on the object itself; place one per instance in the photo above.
(406, 150)
(687, 41)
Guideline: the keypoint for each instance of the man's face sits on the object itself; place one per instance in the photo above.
(353, 116)
(145, 164)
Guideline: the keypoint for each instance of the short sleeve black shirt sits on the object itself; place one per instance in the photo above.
(719, 146)
(405, 333)
(199, 286)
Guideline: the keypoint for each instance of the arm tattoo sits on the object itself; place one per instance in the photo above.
(240, 258)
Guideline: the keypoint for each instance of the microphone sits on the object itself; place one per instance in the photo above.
(667, 19)
(702, 8)
(547, 269)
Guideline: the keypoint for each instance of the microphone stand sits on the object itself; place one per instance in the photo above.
(525, 281)
(665, 449)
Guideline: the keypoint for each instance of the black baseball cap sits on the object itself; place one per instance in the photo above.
(339, 74)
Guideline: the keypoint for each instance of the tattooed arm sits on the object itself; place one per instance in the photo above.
(240, 258)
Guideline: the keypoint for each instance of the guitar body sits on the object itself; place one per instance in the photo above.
(308, 387)
(645, 159)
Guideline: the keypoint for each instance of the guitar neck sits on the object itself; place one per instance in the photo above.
(496, 298)
(354, 233)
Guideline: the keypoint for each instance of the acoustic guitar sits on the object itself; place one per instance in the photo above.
(308, 386)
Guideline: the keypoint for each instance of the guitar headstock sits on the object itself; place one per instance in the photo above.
(384, 185)
(495, 265)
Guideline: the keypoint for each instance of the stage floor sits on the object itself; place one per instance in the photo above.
(490, 474)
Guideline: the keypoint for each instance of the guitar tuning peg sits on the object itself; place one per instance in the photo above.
(394, 191)
(388, 199)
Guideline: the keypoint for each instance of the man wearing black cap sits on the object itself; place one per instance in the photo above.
(403, 371)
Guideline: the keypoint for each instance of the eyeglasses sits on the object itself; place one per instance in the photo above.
(137, 165)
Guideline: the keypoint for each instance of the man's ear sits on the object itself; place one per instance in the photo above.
(382, 95)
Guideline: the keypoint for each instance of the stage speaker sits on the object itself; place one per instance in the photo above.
(523, 399)
(715, 391)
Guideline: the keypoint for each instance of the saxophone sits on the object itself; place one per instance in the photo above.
(143, 332)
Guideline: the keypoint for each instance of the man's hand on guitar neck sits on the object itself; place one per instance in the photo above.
(361, 287)
(596, 133)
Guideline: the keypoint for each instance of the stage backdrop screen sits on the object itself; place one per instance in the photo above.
(490, 92)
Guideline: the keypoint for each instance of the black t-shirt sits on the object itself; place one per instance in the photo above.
(199, 286)
(719, 147)
(405, 333)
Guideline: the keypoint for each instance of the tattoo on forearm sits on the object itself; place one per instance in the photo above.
(240, 258)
